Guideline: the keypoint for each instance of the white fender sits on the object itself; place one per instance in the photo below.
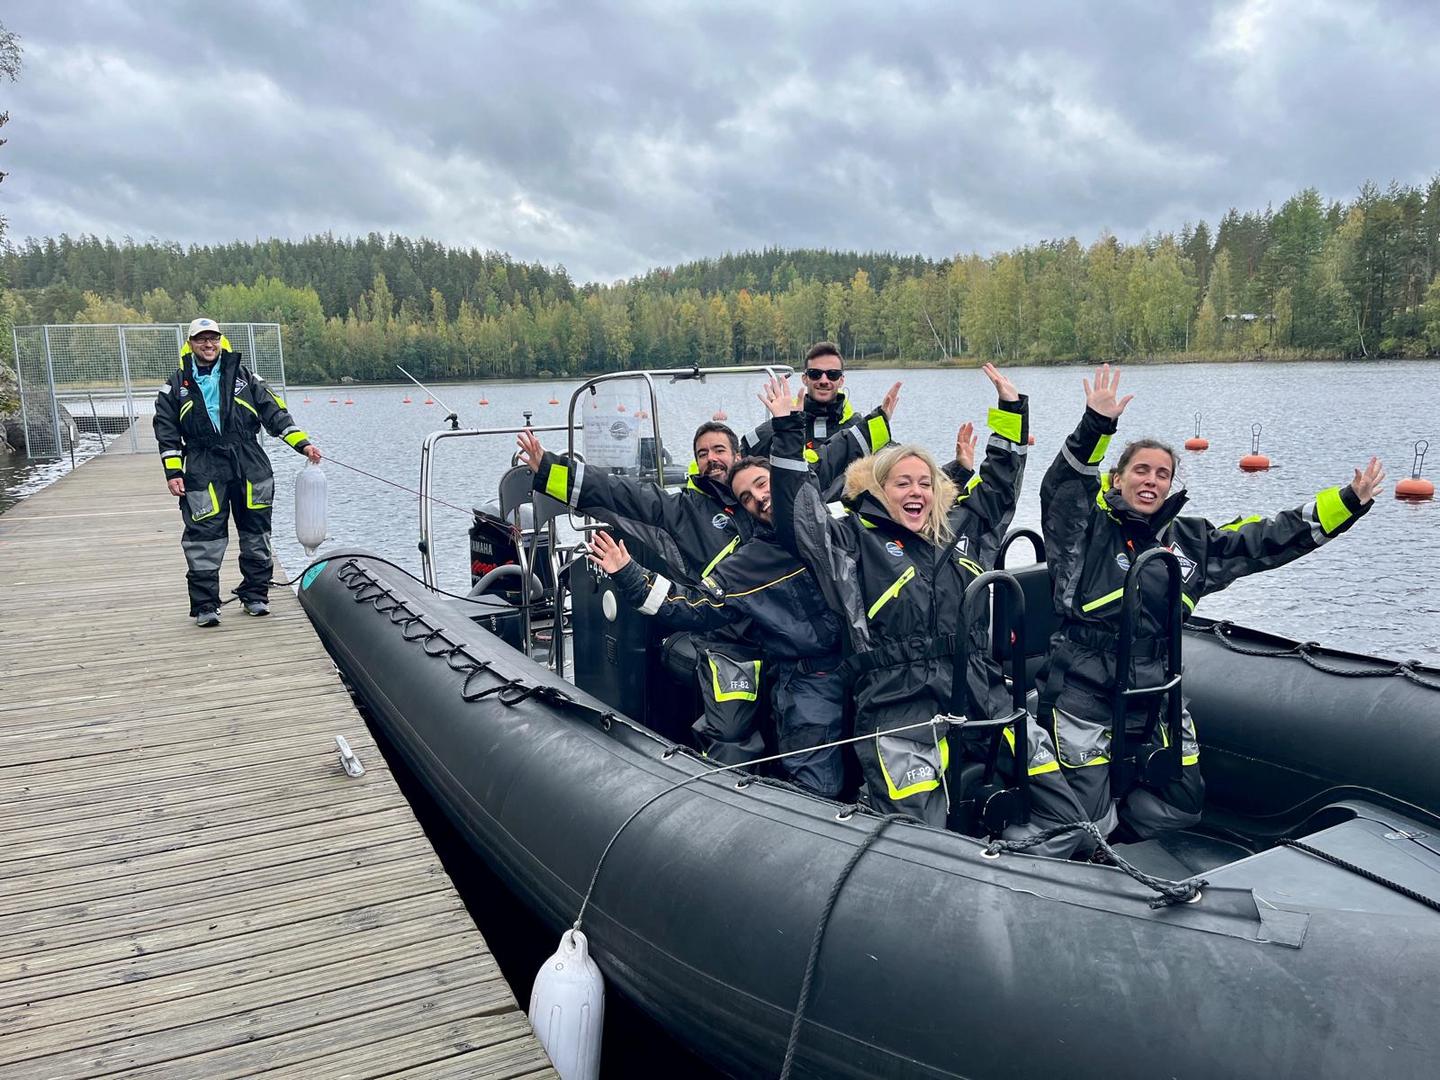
(310, 496)
(567, 1009)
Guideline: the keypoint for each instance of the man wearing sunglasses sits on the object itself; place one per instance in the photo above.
(826, 407)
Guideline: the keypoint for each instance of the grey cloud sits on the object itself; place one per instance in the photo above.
(617, 136)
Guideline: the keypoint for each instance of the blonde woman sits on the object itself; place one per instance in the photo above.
(895, 566)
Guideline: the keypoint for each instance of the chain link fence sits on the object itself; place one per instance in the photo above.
(101, 379)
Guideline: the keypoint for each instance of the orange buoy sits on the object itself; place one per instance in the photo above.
(429, 401)
(1254, 461)
(334, 401)
(554, 401)
(1198, 441)
(405, 400)
(349, 401)
(720, 414)
(484, 400)
(1415, 488)
(620, 407)
(305, 402)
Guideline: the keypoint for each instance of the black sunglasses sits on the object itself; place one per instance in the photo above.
(831, 374)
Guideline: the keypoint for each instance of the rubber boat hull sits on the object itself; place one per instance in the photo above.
(937, 961)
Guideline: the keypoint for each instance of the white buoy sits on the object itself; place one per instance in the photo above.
(567, 1009)
(310, 496)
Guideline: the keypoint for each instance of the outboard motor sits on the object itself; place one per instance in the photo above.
(494, 543)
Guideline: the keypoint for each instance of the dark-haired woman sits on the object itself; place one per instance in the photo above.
(1095, 525)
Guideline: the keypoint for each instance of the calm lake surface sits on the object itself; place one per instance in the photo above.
(1374, 590)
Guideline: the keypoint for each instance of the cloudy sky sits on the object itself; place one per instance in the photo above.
(616, 136)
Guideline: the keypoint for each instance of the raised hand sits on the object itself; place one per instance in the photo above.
(608, 553)
(775, 396)
(530, 449)
(1003, 386)
(1369, 482)
(1102, 396)
(892, 398)
(965, 442)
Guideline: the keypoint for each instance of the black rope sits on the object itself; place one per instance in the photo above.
(1311, 651)
(1171, 892)
(1368, 875)
(812, 963)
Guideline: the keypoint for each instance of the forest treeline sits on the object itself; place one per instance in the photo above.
(1313, 278)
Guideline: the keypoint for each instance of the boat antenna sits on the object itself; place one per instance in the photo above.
(451, 417)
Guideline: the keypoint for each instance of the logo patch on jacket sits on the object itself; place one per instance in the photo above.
(1123, 561)
(962, 546)
(239, 384)
(1187, 564)
(720, 521)
(895, 550)
(184, 390)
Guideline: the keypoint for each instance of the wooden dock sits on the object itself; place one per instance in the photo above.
(190, 885)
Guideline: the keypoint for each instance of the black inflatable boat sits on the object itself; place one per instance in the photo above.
(1311, 949)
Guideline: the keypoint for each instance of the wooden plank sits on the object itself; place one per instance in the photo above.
(189, 885)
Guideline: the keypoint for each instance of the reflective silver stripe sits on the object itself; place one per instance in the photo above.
(1311, 514)
(575, 484)
(999, 442)
(289, 431)
(656, 596)
(859, 439)
(837, 508)
(789, 463)
(1077, 465)
(753, 439)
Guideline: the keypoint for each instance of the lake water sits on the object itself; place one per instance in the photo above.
(1374, 590)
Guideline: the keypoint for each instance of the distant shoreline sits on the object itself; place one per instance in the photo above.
(964, 363)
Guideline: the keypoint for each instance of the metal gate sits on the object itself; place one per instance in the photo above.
(100, 379)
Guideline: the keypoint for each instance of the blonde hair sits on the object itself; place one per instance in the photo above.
(870, 473)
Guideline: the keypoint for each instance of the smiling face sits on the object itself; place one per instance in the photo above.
(205, 346)
(909, 490)
(751, 486)
(823, 376)
(1145, 480)
(714, 455)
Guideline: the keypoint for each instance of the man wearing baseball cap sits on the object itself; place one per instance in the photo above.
(207, 419)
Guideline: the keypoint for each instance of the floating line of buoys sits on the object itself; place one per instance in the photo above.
(1254, 461)
(1415, 488)
(1197, 441)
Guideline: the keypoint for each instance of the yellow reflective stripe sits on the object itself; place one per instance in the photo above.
(735, 695)
(726, 550)
(1330, 508)
(846, 409)
(1053, 765)
(1008, 425)
(916, 788)
(278, 399)
(173, 463)
(1098, 454)
(1185, 599)
(186, 408)
(242, 401)
(1241, 522)
(878, 432)
(250, 497)
(557, 484)
(811, 456)
(1102, 601)
(295, 438)
(971, 565)
(892, 592)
